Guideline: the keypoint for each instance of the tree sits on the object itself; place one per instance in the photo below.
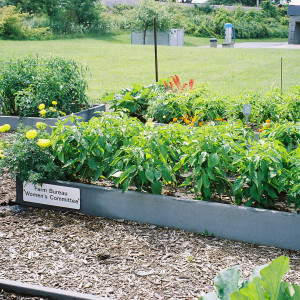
(143, 14)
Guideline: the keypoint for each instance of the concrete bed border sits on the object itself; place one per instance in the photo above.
(239, 223)
(21, 288)
(15, 121)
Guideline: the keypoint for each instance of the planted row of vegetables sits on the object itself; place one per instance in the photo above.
(171, 101)
(123, 149)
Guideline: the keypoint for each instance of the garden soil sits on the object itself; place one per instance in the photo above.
(117, 259)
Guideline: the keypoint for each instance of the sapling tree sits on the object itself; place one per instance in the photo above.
(142, 17)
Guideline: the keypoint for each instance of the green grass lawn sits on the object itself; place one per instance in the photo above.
(114, 63)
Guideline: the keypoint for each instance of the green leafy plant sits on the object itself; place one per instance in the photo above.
(27, 82)
(260, 169)
(264, 283)
(29, 156)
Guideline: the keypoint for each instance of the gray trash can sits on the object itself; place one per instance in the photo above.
(213, 43)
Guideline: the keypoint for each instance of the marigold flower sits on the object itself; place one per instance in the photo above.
(260, 130)
(40, 125)
(1, 155)
(53, 110)
(201, 123)
(268, 125)
(44, 143)
(174, 119)
(4, 128)
(171, 122)
(41, 106)
(187, 122)
(43, 112)
(268, 121)
(54, 102)
(31, 134)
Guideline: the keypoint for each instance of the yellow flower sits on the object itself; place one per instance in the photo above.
(44, 143)
(54, 102)
(31, 134)
(41, 106)
(40, 125)
(62, 113)
(175, 119)
(171, 122)
(1, 155)
(4, 128)
(50, 107)
(43, 112)
(53, 110)
(268, 121)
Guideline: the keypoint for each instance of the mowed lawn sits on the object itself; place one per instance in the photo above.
(114, 63)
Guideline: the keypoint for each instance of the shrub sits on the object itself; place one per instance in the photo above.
(27, 82)
(13, 25)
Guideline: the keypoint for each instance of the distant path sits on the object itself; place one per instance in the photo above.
(281, 45)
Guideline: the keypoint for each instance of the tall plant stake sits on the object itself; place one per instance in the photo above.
(155, 51)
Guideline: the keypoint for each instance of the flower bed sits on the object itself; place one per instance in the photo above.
(171, 101)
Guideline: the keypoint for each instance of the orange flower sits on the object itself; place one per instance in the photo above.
(268, 121)
(268, 125)
(201, 123)
(187, 122)
(175, 119)
(260, 130)
(171, 122)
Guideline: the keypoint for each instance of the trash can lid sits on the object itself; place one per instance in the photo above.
(213, 40)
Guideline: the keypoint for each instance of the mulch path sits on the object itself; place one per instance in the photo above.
(116, 258)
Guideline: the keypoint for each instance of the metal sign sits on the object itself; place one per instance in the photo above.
(247, 109)
(49, 194)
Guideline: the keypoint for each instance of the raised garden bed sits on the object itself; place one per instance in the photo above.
(245, 224)
(15, 121)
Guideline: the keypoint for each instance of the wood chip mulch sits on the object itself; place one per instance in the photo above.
(116, 258)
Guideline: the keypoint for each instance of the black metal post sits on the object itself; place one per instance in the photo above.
(155, 51)
(281, 76)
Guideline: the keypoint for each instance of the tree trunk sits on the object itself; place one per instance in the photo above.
(144, 35)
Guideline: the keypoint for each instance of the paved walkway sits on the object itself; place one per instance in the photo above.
(282, 45)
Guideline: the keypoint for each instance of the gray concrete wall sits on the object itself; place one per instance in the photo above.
(15, 121)
(294, 30)
(172, 37)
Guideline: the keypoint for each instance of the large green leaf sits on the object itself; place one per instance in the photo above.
(271, 276)
(156, 187)
(253, 290)
(149, 175)
(213, 160)
(227, 281)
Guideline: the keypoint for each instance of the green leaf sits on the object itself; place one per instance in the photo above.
(163, 151)
(296, 291)
(156, 187)
(271, 276)
(213, 160)
(210, 296)
(227, 281)
(157, 174)
(93, 163)
(253, 290)
(238, 184)
(149, 175)
(205, 180)
(97, 174)
(128, 170)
